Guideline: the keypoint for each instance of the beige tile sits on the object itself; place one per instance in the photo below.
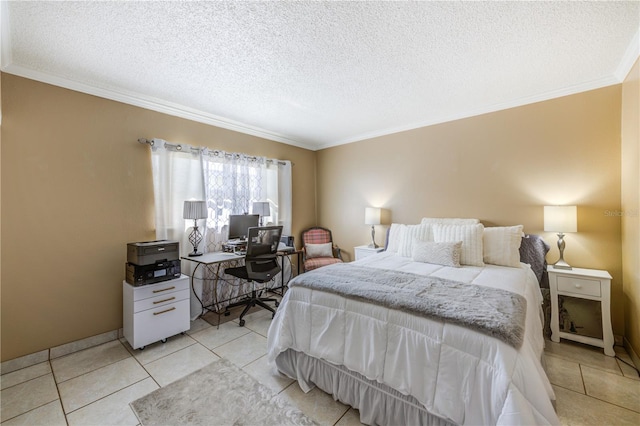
(50, 414)
(90, 387)
(612, 388)
(85, 361)
(113, 409)
(159, 350)
(628, 371)
(562, 372)
(582, 354)
(24, 374)
(79, 345)
(350, 418)
(24, 361)
(626, 363)
(318, 405)
(258, 322)
(267, 374)
(243, 350)
(179, 364)
(217, 336)
(582, 410)
(197, 325)
(26, 396)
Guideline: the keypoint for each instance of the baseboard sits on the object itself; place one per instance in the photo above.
(58, 351)
(632, 353)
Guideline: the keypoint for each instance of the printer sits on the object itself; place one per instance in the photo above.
(150, 262)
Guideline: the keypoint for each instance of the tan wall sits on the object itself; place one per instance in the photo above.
(631, 206)
(76, 187)
(501, 167)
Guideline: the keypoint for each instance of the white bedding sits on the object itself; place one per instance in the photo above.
(458, 374)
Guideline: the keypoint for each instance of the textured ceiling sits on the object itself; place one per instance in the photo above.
(318, 74)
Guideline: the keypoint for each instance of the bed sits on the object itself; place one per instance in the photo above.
(356, 331)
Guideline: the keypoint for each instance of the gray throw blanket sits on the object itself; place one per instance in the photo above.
(533, 250)
(495, 312)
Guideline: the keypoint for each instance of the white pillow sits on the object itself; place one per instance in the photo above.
(395, 231)
(318, 250)
(471, 237)
(447, 254)
(501, 245)
(449, 221)
(411, 232)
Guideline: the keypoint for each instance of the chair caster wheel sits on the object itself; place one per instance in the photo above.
(142, 348)
(227, 313)
(241, 323)
(164, 340)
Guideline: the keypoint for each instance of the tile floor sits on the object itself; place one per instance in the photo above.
(95, 386)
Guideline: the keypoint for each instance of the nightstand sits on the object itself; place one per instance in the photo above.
(590, 284)
(363, 251)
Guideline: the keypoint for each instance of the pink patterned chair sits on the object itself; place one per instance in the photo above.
(318, 248)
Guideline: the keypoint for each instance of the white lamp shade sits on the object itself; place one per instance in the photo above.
(195, 210)
(262, 208)
(372, 216)
(560, 218)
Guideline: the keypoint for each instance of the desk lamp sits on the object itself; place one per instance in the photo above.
(195, 210)
(262, 208)
(560, 219)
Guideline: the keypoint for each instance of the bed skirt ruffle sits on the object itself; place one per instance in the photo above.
(378, 404)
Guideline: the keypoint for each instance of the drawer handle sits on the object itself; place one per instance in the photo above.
(164, 289)
(578, 285)
(165, 311)
(163, 300)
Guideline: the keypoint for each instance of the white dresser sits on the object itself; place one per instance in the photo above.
(590, 284)
(156, 311)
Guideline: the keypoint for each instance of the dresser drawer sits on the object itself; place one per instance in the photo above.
(161, 299)
(159, 323)
(161, 289)
(581, 286)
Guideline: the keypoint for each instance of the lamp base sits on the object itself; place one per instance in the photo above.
(373, 245)
(194, 254)
(561, 264)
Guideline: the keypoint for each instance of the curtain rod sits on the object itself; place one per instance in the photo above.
(214, 152)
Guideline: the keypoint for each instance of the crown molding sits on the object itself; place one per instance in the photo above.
(571, 90)
(5, 35)
(629, 58)
(155, 104)
(177, 110)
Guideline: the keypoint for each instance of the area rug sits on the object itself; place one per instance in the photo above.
(218, 394)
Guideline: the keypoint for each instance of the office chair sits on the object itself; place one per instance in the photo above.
(260, 266)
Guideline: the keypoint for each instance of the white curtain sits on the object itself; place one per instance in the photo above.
(229, 183)
(177, 176)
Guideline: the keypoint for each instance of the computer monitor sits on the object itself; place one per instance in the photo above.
(239, 225)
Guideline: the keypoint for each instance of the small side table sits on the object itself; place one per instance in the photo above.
(591, 284)
(363, 251)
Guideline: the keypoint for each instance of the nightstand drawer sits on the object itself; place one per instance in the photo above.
(579, 286)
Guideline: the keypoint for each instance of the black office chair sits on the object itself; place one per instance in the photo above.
(260, 266)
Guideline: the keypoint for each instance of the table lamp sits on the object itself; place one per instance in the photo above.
(195, 210)
(372, 217)
(561, 219)
(262, 208)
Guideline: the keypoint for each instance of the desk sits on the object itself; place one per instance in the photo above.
(215, 297)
